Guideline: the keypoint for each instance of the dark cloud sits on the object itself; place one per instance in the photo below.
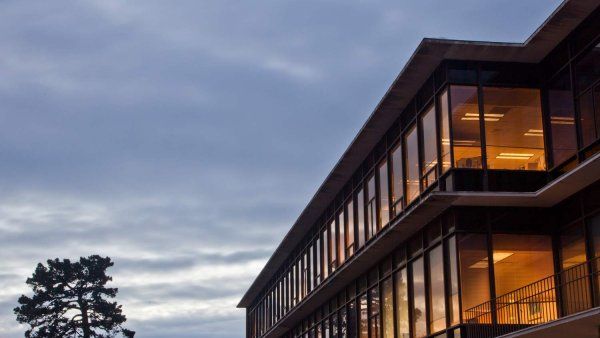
(183, 140)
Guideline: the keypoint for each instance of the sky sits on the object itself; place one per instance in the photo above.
(184, 138)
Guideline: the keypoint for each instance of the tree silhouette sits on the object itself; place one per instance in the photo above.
(70, 300)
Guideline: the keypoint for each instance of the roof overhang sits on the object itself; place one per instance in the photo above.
(428, 55)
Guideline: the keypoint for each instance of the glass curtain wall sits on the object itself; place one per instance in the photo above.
(466, 144)
(411, 144)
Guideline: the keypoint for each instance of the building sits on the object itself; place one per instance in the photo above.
(467, 206)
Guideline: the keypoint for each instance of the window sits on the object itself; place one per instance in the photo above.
(306, 274)
(360, 214)
(401, 286)
(374, 312)
(474, 276)
(352, 319)
(387, 297)
(513, 129)
(419, 324)
(430, 161)
(444, 131)
(343, 323)
(341, 238)
(371, 208)
(332, 246)
(587, 119)
(397, 180)
(587, 70)
(466, 139)
(350, 228)
(384, 195)
(318, 274)
(412, 164)
(453, 283)
(363, 328)
(575, 285)
(562, 118)
(325, 261)
(437, 303)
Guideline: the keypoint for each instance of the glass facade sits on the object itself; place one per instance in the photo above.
(474, 126)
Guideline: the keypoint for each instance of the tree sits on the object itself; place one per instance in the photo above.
(70, 300)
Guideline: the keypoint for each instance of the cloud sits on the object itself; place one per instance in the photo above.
(183, 140)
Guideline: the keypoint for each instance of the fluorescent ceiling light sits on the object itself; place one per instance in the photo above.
(497, 257)
(514, 156)
(533, 134)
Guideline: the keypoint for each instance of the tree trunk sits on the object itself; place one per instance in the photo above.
(85, 323)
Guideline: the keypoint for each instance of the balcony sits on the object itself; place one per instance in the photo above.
(570, 298)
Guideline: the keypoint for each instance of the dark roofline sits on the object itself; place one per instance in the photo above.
(424, 60)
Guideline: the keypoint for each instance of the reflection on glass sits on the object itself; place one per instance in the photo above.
(343, 323)
(360, 214)
(384, 200)
(332, 246)
(341, 238)
(397, 180)
(575, 286)
(318, 275)
(412, 164)
(453, 294)
(428, 130)
(363, 328)
(374, 312)
(352, 319)
(326, 328)
(594, 224)
(402, 303)
(419, 323)
(520, 260)
(350, 228)
(586, 118)
(466, 142)
(387, 296)
(325, 262)
(444, 131)
(371, 208)
(562, 118)
(437, 305)
(587, 70)
(513, 128)
(474, 276)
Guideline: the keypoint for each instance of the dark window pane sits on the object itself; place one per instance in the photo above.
(513, 129)
(371, 208)
(412, 164)
(562, 118)
(465, 127)
(360, 214)
(453, 293)
(374, 312)
(352, 320)
(397, 180)
(586, 118)
(384, 195)
(444, 131)
(419, 323)
(575, 288)
(429, 164)
(437, 305)
(587, 70)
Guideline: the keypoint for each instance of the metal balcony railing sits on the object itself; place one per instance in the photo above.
(570, 291)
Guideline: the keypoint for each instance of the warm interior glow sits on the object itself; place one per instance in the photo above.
(497, 257)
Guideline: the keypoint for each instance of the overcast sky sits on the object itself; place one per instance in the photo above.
(183, 138)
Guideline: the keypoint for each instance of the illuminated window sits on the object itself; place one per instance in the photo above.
(363, 328)
(453, 283)
(401, 286)
(430, 161)
(384, 199)
(387, 298)
(332, 246)
(374, 312)
(419, 323)
(444, 131)
(466, 139)
(318, 274)
(350, 228)
(341, 238)
(325, 260)
(513, 129)
(576, 297)
(411, 142)
(397, 180)
(562, 118)
(437, 303)
(474, 277)
(360, 214)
